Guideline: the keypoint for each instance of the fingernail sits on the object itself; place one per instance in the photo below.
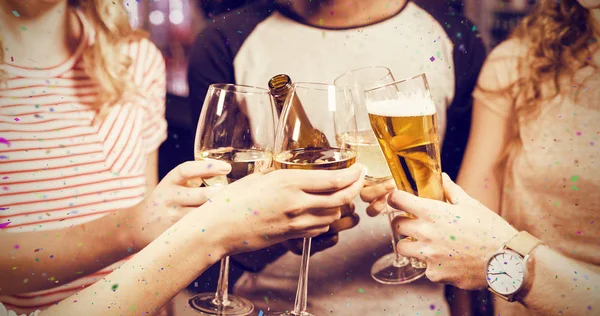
(210, 191)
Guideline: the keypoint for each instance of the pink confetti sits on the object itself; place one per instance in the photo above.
(3, 225)
(17, 246)
(4, 178)
(578, 133)
(17, 119)
(432, 59)
(5, 141)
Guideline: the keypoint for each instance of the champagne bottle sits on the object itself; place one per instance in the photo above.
(280, 87)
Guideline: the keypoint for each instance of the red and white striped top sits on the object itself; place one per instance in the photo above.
(59, 167)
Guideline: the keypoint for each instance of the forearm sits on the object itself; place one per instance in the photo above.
(485, 187)
(39, 260)
(561, 284)
(153, 276)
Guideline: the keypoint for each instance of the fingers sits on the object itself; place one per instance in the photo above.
(337, 198)
(377, 207)
(373, 192)
(414, 205)
(452, 191)
(194, 169)
(322, 242)
(344, 223)
(406, 226)
(319, 181)
(194, 196)
(411, 249)
(347, 209)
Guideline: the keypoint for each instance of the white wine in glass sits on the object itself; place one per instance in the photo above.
(392, 268)
(236, 125)
(313, 127)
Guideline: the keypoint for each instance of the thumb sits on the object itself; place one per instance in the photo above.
(194, 169)
(452, 192)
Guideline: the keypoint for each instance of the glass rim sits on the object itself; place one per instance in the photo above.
(421, 75)
(316, 86)
(246, 89)
(389, 72)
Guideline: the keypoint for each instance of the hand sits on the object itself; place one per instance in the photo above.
(376, 194)
(329, 239)
(455, 239)
(264, 209)
(172, 199)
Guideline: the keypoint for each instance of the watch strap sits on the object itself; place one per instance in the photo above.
(523, 243)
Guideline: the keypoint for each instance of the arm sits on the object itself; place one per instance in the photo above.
(561, 284)
(147, 281)
(109, 236)
(558, 283)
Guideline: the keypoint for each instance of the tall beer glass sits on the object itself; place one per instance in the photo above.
(309, 137)
(237, 125)
(403, 118)
(392, 268)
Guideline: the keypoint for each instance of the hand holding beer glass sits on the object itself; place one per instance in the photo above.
(404, 121)
(309, 137)
(237, 125)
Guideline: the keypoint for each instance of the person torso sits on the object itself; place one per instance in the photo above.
(61, 165)
(552, 182)
(410, 43)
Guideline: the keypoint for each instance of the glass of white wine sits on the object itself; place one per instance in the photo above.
(236, 125)
(309, 137)
(392, 268)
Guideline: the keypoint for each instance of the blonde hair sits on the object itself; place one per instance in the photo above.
(558, 37)
(104, 61)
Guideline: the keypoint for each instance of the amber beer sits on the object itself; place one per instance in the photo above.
(408, 136)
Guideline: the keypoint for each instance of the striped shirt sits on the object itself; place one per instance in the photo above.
(58, 166)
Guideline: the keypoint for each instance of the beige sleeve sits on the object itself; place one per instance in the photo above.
(499, 72)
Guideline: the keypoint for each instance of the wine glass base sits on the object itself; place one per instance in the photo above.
(387, 270)
(205, 304)
(289, 314)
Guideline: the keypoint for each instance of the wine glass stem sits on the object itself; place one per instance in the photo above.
(221, 296)
(394, 237)
(302, 291)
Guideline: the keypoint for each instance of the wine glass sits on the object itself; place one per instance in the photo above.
(237, 125)
(313, 127)
(404, 121)
(392, 268)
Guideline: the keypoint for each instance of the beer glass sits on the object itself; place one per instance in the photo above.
(404, 121)
(236, 125)
(311, 135)
(392, 268)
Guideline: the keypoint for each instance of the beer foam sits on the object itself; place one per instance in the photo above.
(413, 104)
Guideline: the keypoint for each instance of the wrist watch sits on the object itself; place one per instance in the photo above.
(506, 270)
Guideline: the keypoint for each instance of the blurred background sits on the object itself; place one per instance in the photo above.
(174, 24)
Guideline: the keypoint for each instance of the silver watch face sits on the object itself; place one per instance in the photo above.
(506, 272)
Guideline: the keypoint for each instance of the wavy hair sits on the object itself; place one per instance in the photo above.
(104, 61)
(558, 36)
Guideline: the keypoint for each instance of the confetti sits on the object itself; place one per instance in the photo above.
(432, 59)
(360, 290)
(15, 13)
(17, 119)
(260, 313)
(4, 141)
(431, 307)
(23, 28)
(574, 178)
(114, 287)
(452, 237)
(17, 246)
